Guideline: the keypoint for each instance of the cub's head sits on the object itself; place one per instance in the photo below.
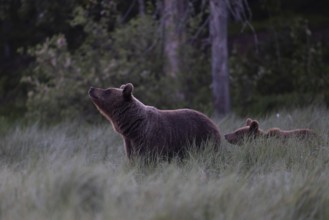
(250, 130)
(111, 100)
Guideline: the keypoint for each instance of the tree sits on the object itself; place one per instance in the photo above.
(219, 57)
(174, 14)
(141, 7)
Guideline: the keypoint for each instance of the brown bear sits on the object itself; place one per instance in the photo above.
(251, 131)
(148, 131)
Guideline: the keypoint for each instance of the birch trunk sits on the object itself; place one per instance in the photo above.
(174, 13)
(219, 57)
(141, 7)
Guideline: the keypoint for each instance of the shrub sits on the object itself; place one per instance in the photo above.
(60, 78)
(131, 53)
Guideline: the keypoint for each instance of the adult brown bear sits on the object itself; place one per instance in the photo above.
(148, 131)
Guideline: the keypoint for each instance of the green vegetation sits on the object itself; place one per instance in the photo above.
(59, 79)
(78, 171)
(47, 50)
(287, 68)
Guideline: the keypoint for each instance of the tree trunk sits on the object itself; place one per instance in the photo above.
(141, 7)
(219, 57)
(174, 13)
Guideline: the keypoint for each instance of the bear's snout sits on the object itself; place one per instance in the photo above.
(227, 136)
(91, 92)
(231, 138)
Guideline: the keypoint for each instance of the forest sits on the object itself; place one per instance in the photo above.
(230, 59)
(274, 54)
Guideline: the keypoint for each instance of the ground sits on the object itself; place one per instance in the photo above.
(71, 171)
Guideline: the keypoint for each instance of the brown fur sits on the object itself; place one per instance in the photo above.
(147, 130)
(252, 131)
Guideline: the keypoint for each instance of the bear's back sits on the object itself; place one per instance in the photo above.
(172, 130)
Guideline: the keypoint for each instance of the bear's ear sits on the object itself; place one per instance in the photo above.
(253, 127)
(248, 121)
(127, 90)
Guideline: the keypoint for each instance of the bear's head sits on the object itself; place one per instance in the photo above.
(111, 100)
(250, 130)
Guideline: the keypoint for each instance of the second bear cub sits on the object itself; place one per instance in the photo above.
(251, 131)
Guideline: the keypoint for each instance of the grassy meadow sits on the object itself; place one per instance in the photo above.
(76, 171)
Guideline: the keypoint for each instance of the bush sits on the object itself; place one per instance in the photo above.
(60, 78)
(131, 53)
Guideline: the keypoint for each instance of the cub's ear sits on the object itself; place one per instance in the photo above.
(253, 127)
(127, 90)
(248, 121)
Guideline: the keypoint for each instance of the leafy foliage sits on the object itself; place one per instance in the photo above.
(107, 43)
(24, 24)
(132, 53)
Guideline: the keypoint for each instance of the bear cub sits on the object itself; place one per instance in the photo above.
(148, 131)
(251, 131)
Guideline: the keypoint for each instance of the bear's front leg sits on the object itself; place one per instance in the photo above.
(128, 148)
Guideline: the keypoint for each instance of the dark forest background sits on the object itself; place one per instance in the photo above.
(52, 51)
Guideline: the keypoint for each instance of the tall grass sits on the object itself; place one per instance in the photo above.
(71, 171)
